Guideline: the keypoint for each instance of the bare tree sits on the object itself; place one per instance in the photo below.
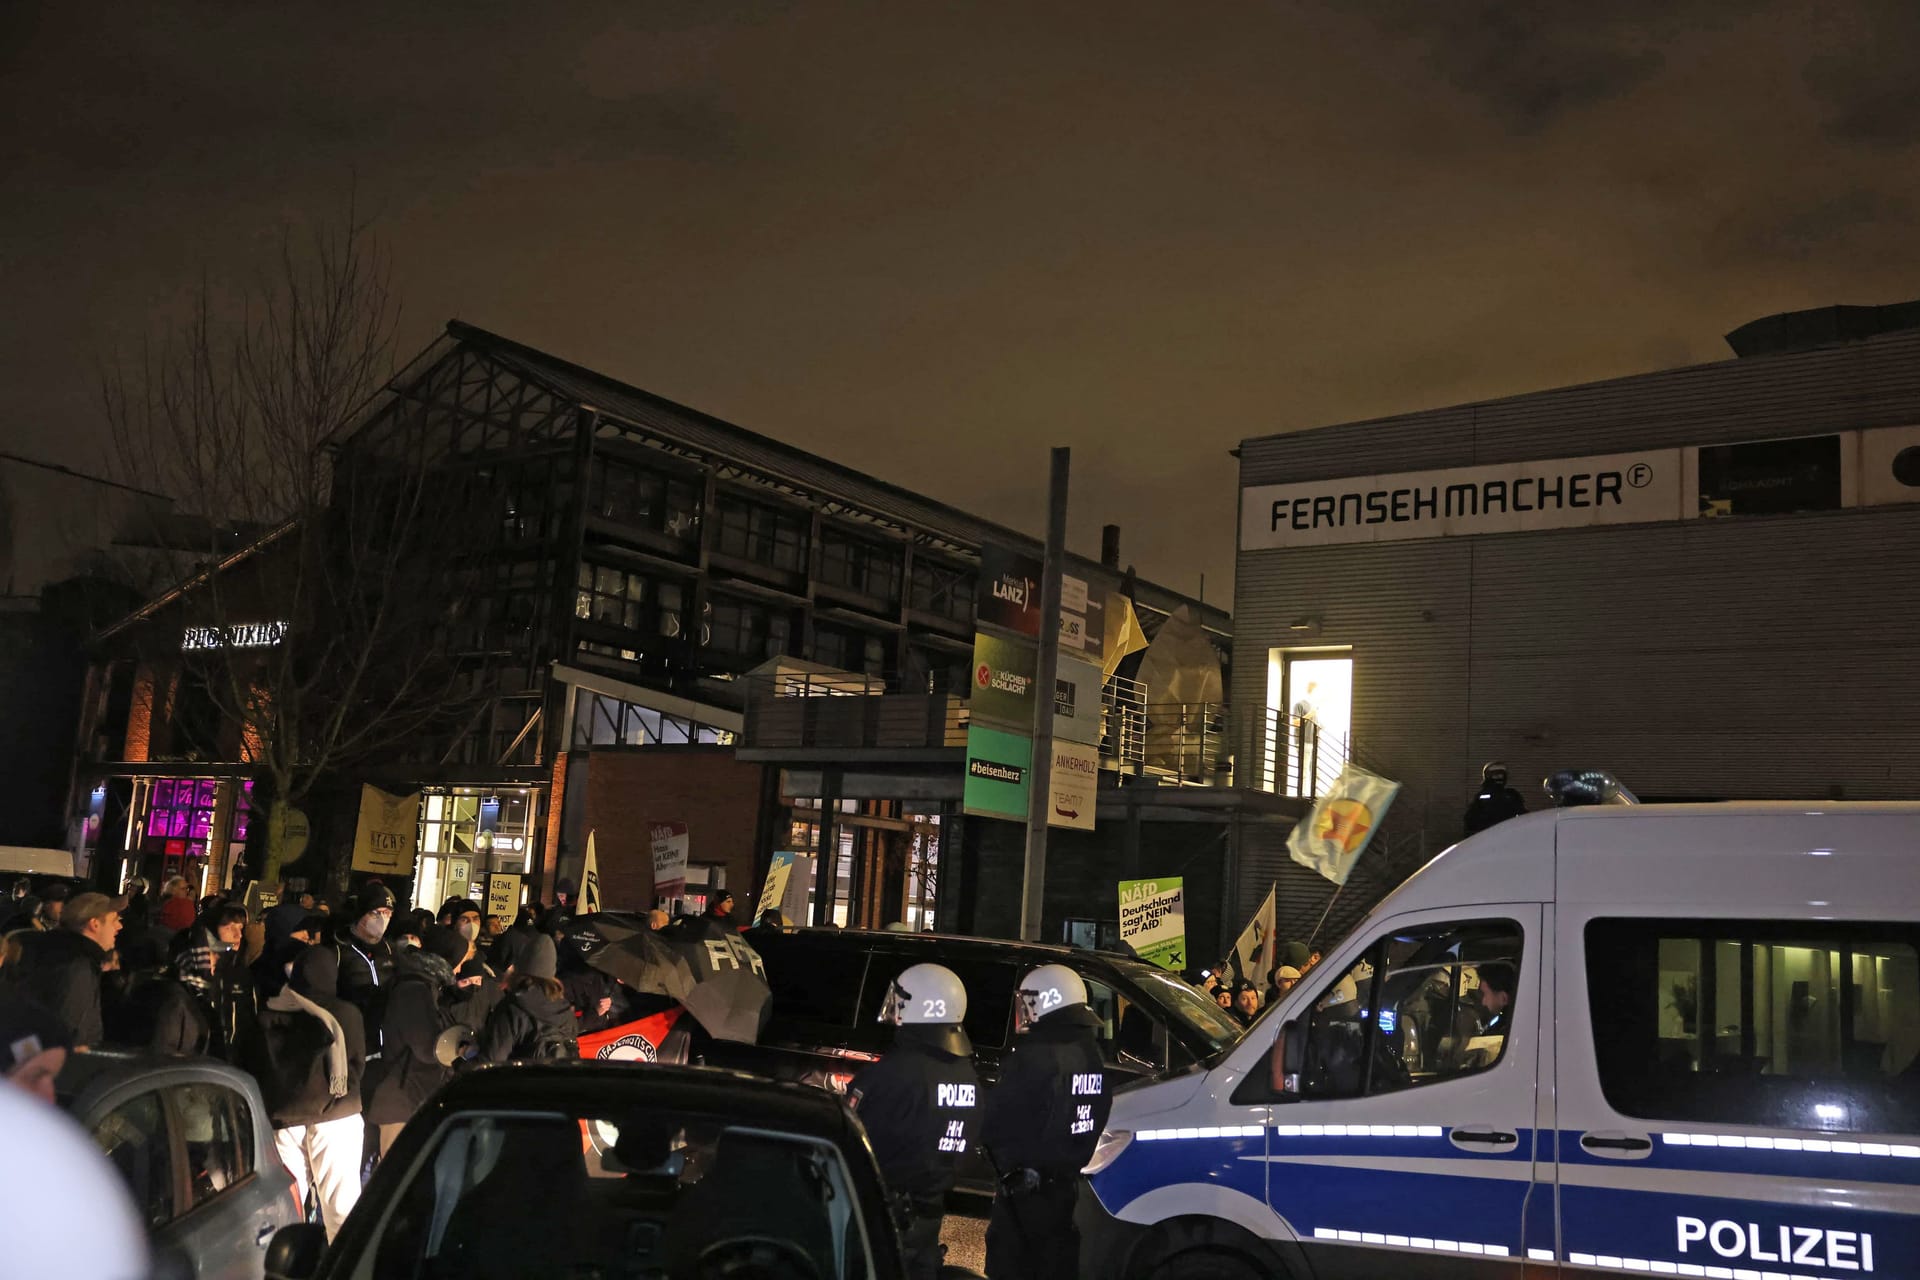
(312, 626)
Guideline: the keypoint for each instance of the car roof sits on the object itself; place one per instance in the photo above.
(89, 1076)
(590, 1084)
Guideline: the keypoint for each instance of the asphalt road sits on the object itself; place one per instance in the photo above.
(965, 1234)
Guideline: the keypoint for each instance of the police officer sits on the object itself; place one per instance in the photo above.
(918, 1104)
(1044, 1119)
(1495, 802)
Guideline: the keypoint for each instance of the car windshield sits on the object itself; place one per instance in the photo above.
(514, 1195)
(1205, 1021)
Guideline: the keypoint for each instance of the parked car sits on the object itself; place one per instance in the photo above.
(697, 1173)
(190, 1137)
(828, 986)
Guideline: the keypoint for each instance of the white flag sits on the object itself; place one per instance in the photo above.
(589, 899)
(1253, 953)
(1332, 837)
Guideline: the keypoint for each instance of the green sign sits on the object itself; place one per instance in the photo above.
(1003, 682)
(1153, 920)
(999, 773)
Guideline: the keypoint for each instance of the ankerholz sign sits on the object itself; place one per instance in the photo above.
(1558, 493)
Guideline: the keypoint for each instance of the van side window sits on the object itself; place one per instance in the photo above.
(1797, 1025)
(1130, 1036)
(1420, 1006)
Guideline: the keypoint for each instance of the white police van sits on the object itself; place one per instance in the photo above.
(1660, 1040)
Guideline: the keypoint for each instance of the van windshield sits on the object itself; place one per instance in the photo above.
(1209, 1027)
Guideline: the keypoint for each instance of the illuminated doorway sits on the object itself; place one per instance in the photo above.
(1310, 693)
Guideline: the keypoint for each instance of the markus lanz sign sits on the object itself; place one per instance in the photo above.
(1557, 493)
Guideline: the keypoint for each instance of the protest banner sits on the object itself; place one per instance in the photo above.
(1153, 920)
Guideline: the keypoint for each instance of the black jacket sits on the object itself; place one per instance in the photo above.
(416, 1013)
(61, 970)
(1051, 1103)
(1492, 806)
(528, 1024)
(292, 1063)
(918, 1104)
(160, 1015)
(366, 970)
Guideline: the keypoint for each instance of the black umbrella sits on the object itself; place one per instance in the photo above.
(730, 998)
(645, 962)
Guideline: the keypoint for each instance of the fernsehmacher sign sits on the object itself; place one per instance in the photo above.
(1558, 493)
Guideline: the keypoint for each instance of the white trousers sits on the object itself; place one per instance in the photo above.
(327, 1156)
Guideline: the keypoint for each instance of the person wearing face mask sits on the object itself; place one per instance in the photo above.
(477, 987)
(366, 957)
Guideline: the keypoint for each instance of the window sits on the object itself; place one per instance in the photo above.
(1797, 1025)
(134, 1137)
(640, 498)
(219, 1152)
(609, 596)
(1130, 1036)
(849, 650)
(942, 590)
(859, 566)
(746, 629)
(1420, 1006)
(814, 985)
(771, 536)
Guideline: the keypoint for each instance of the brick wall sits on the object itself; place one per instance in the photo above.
(705, 787)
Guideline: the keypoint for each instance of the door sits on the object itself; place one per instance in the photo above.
(229, 1211)
(1406, 1143)
(1738, 1094)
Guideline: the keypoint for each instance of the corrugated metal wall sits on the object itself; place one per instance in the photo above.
(1757, 657)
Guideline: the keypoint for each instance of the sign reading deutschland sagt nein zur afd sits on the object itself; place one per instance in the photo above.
(1153, 920)
(999, 773)
(1513, 497)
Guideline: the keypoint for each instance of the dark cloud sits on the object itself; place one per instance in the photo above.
(931, 240)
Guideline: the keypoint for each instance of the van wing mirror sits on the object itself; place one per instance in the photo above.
(1288, 1059)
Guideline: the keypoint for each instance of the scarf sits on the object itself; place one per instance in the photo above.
(291, 1001)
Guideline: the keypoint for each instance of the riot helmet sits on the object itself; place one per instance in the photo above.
(1493, 774)
(925, 995)
(1046, 991)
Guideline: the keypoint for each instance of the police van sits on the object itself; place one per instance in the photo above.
(1655, 1040)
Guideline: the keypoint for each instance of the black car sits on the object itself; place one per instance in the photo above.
(828, 986)
(594, 1169)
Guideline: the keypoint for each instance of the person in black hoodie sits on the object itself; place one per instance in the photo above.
(1042, 1122)
(365, 956)
(416, 1013)
(535, 1020)
(313, 1053)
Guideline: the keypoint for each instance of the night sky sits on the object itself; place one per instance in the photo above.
(931, 240)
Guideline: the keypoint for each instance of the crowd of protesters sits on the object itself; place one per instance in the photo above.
(342, 1008)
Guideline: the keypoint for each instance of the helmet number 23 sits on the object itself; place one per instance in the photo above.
(933, 1008)
(1051, 998)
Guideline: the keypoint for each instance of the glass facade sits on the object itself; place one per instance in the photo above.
(177, 827)
(466, 832)
(603, 721)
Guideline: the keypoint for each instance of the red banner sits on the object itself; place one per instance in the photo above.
(631, 1041)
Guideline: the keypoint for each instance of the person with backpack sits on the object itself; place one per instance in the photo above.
(311, 1057)
(535, 1021)
(418, 1010)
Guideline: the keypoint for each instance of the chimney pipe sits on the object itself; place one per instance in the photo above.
(1110, 546)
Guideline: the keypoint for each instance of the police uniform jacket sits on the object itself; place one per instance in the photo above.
(1051, 1103)
(918, 1104)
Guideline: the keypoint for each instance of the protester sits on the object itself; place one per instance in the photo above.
(595, 996)
(1246, 1002)
(295, 905)
(136, 911)
(365, 955)
(33, 1044)
(160, 1014)
(211, 963)
(1042, 1120)
(490, 931)
(313, 1055)
(535, 1020)
(53, 903)
(176, 905)
(409, 1069)
(61, 969)
(718, 917)
(271, 969)
(1223, 996)
(658, 919)
(562, 909)
(917, 1103)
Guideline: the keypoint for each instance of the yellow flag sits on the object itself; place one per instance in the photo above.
(1124, 634)
(1332, 838)
(589, 899)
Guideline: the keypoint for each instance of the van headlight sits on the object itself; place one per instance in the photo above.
(1107, 1150)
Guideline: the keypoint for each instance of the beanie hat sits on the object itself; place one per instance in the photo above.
(1295, 954)
(316, 971)
(373, 896)
(539, 959)
(457, 907)
(438, 940)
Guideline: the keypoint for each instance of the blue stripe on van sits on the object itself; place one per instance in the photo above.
(1898, 1170)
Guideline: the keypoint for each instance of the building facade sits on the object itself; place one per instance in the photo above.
(637, 570)
(1704, 580)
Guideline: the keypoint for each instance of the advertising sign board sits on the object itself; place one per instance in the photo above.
(999, 773)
